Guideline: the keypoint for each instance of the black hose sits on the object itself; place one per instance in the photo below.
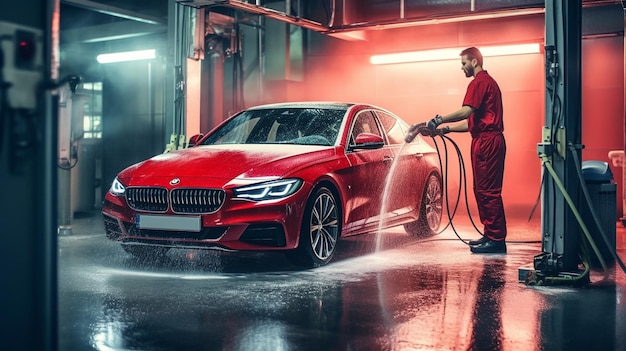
(462, 184)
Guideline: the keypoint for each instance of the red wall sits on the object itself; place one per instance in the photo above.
(340, 70)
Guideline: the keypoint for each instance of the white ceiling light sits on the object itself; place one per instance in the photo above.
(453, 53)
(127, 56)
(504, 50)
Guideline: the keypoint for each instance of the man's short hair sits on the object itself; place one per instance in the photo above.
(473, 53)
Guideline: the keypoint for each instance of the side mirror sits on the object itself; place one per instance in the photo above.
(193, 140)
(368, 141)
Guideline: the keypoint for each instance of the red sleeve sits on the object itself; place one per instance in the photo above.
(474, 94)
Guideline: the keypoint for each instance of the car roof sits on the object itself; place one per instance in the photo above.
(307, 104)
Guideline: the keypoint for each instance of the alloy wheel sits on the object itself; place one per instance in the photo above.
(323, 227)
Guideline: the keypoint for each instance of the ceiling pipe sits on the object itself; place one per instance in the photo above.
(332, 12)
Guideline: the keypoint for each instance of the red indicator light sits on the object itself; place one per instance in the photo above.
(26, 50)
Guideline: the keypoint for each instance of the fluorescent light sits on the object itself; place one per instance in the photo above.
(416, 56)
(504, 50)
(127, 56)
(453, 53)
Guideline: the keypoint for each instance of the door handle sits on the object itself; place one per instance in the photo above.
(387, 159)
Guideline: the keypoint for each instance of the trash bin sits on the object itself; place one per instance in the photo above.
(618, 159)
(602, 192)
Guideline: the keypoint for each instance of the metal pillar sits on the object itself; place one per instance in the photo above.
(28, 153)
(65, 161)
(560, 149)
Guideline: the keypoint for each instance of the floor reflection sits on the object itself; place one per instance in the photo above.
(487, 316)
(575, 322)
(412, 295)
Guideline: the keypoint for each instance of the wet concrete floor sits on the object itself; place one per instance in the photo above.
(413, 294)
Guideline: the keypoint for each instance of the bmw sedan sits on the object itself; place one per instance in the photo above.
(288, 177)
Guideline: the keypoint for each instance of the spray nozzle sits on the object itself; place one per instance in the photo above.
(419, 128)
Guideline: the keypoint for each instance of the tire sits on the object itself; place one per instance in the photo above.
(146, 252)
(431, 209)
(319, 232)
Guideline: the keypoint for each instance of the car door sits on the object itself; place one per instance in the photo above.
(406, 183)
(369, 168)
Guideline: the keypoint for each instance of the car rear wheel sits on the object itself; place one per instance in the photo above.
(319, 232)
(430, 210)
(146, 252)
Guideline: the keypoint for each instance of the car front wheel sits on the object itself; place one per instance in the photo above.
(320, 230)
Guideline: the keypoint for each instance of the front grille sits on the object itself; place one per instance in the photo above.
(193, 201)
(196, 200)
(147, 199)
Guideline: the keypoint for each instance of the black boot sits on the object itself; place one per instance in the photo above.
(482, 239)
(489, 246)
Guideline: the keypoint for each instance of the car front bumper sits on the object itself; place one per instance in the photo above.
(237, 225)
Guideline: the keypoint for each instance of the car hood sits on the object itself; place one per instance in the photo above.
(220, 165)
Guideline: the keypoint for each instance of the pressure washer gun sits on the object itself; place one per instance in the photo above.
(427, 129)
(419, 128)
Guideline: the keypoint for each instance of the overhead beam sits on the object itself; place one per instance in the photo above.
(258, 10)
(355, 31)
(115, 11)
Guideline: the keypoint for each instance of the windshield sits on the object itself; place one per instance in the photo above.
(304, 126)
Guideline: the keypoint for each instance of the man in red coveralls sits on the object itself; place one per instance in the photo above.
(481, 115)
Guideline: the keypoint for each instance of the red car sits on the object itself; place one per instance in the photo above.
(291, 177)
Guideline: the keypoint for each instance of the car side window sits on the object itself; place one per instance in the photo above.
(364, 122)
(393, 128)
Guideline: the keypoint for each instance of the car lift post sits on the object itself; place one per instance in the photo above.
(561, 135)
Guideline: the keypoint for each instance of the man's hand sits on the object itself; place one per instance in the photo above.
(435, 132)
(442, 131)
(435, 122)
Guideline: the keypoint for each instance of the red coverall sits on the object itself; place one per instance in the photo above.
(488, 150)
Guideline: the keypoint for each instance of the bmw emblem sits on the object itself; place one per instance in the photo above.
(175, 181)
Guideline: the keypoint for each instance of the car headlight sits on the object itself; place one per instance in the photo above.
(276, 189)
(117, 188)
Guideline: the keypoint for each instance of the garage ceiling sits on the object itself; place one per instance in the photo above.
(90, 21)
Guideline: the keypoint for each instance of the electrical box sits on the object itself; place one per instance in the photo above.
(21, 63)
